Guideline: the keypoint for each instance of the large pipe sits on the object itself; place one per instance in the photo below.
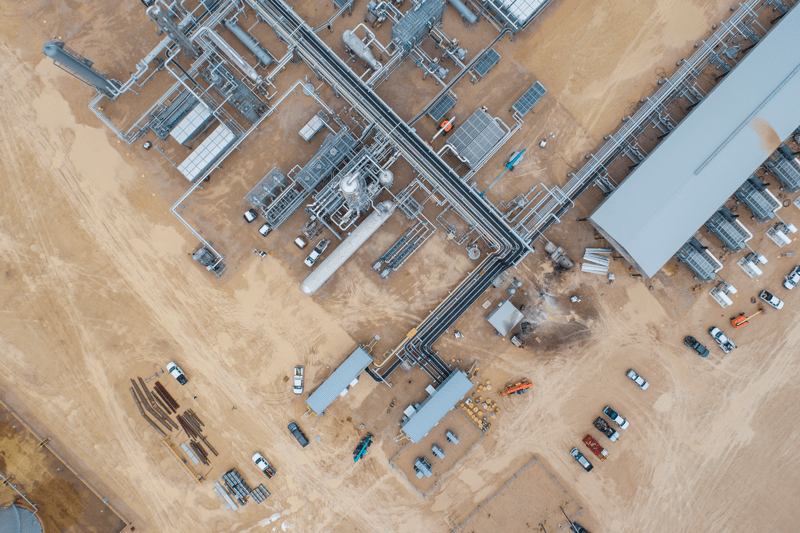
(468, 15)
(348, 247)
(360, 49)
(249, 42)
(82, 70)
(232, 54)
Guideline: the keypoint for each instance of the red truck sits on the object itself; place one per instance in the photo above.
(595, 447)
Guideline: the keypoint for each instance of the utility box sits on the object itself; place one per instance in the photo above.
(312, 128)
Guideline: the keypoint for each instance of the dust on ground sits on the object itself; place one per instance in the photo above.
(98, 289)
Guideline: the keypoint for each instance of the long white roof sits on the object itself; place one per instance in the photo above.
(711, 153)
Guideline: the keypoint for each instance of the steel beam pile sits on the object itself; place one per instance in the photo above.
(167, 397)
(239, 489)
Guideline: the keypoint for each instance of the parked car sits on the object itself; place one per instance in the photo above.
(265, 229)
(724, 342)
(793, 278)
(614, 416)
(250, 215)
(603, 427)
(636, 378)
(298, 434)
(300, 243)
(177, 373)
(298, 380)
(264, 465)
(581, 459)
(695, 345)
(771, 299)
(577, 528)
(321, 246)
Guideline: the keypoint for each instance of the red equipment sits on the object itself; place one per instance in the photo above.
(595, 447)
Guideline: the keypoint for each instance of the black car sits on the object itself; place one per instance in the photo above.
(298, 434)
(695, 345)
(577, 528)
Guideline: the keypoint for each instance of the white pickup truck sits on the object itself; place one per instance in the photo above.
(724, 342)
(298, 380)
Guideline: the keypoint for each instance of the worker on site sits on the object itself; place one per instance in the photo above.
(447, 125)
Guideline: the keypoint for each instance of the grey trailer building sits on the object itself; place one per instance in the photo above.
(339, 381)
(712, 152)
(505, 317)
(426, 415)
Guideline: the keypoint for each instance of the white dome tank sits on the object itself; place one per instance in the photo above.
(353, 186)
(386, 178)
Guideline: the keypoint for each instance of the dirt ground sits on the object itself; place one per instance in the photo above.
(98, 289)
(63, 501)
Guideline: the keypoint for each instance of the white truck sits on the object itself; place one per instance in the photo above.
(724, 342)
(298, 380)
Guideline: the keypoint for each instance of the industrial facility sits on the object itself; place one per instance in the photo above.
(364, 177)
(729, 133)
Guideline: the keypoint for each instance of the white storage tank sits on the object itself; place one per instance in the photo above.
(348, 247)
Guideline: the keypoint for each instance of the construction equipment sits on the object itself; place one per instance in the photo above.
(519, 388)
(741, 320)
(361, 449)
(595, 447)
(444, 128)
(515, 158)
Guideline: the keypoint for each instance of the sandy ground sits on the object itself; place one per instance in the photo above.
(98, 289)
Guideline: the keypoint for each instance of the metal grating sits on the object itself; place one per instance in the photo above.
(440, 108)
(754, 195)
(204, 155)
(700, 262)
(732, 235)
(486, 63)
(519, 12)
(333, 151)
(416, 23)
(476, 137)
(788, 172)
(267, 189)
(529, 99)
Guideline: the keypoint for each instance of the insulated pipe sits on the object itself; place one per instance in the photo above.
(232, 54)
(249, 42)
(348, 247)
(468, 15)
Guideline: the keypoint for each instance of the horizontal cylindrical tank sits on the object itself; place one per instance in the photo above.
(232, 54)
(468, 15)
(724, 297)
(783, 237)
(249, 42)
(752, 266)
(348, 247)
(360, 49)
(98, 80)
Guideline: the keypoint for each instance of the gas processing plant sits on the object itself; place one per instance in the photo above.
(220, 87)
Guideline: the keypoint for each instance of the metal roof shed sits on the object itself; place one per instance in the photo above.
(339, 380)
(710, 154)
(505, 317)
(435, 406)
